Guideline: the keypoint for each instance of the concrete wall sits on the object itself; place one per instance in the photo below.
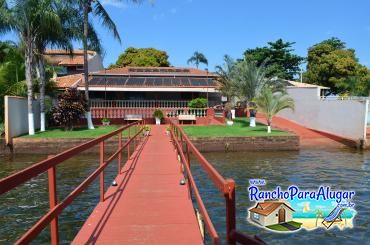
(16, 117)
(344, 118)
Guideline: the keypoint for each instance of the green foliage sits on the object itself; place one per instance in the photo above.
(71, 106)
(224, 81)
(248, 80)
(158, 114)
(146, 128)
(146, 57)
(105, 120)
(332, 65)
(2, 129)
(197, 59)
(198, 103)
(271, 103)
(278, 58)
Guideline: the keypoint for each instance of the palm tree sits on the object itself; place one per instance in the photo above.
(319, 214)
(198, 58)
(95, 8)
(28, 18)
(250, 79)
(225, 80)
(271, 103)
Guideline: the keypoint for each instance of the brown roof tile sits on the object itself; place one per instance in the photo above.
(157, 70)
(68, 81)
(266, 208)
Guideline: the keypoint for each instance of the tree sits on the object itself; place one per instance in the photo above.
(271, 103)
(332, 65)
(198, 58)
(146, 57)
(28, 18)
(95, 8)
(250, 79)
(224, 81)
(319, 214)
(71, 106)
(278, 58)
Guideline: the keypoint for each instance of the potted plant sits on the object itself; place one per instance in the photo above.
(252, 114)
(105, 121)
(146, 130)
(158, 115)
(228, 110)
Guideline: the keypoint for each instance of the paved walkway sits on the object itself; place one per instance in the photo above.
(308, 138)
(149, 206)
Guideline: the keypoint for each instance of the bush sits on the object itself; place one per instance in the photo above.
(105, 120)
(158, 114)
(71, 106)
(2, 129)
(198, 103)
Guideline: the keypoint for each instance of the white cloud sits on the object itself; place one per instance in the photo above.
(114, 3)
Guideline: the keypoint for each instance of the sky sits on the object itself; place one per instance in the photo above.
(219, 27)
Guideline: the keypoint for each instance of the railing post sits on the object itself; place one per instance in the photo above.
(102, 173)
(53, 200)
(128, 146)
(120, 153)
(229, 193)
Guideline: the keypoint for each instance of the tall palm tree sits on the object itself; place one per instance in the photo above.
(198, 58)
(225, 80)
(319, 214)
(271, 103)
(96, 9)
(250, 79)
(28, 18)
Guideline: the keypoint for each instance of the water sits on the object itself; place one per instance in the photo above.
(345, 169)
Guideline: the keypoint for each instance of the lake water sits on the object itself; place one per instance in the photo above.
(344, 169)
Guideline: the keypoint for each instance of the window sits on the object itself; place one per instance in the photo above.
(256, 216)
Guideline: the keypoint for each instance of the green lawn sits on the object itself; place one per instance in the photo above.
(77, 132)
(240, 128)
(277, 227)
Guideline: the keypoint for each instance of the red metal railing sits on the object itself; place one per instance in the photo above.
(49, 165)
(225, 186)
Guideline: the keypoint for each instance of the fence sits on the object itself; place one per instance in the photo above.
(139, 103)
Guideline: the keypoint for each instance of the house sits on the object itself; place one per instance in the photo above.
(72, 62)
(271, 212)
(140, 90)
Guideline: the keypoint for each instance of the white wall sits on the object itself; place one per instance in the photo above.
(345, 118)
(16, 116)
(95, 63)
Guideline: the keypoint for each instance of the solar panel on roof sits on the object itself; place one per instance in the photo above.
(135, 81)
(158, 82)
(149, 81)
(167, 82)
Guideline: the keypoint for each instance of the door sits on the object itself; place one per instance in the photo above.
(281, 215)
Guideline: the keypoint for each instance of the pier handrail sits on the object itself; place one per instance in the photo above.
(49, 165)
(225, 186)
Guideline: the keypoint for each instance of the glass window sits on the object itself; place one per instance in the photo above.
(256, 216)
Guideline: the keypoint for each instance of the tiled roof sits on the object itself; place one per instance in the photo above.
(66, 60)
(68, 81)
(304, 85)
(266, 208)
(64, 52)
(157, 70)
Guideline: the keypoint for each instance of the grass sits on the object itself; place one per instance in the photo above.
(279, 227)
(240, 128)
(1, 129)
(76, 133)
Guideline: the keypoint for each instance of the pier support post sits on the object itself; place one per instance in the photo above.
(102, 173)
(229, 194)
(120, 153)
(52, 184)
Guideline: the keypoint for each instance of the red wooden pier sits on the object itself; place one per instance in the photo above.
(152, 202)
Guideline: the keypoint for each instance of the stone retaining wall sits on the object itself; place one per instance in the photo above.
(204, 144)
(261, 143)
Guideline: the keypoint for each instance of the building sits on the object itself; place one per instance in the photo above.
(72, 63)
(117, 92)
(271, 212)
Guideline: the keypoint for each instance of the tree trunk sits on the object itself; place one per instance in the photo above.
(268, 125)
(28, 64)
(86, 7)
(42, 83)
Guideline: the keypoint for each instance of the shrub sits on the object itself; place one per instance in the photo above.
(105, 119)
(69, 109)
(158, 114)
(2, 129)
(198, 103)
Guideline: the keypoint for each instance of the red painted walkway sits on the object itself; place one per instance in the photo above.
(149, 206)
(308, 138)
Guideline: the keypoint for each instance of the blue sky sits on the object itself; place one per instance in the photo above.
(223, 27)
